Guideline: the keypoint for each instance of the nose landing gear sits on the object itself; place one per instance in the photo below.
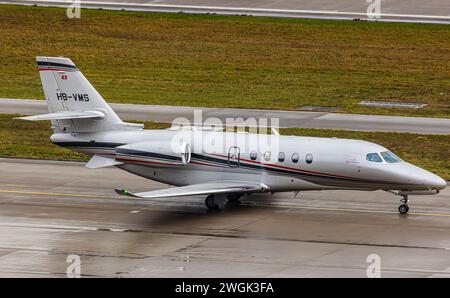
(404, 208)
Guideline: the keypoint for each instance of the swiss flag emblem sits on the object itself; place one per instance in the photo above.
(63, 77)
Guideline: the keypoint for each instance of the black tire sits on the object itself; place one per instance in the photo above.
(403, 209)
(210, 202)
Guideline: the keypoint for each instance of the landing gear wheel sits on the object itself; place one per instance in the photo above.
(404, 208)
(210, 202)
(234, 198)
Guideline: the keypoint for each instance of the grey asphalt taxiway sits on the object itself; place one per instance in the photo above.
(302, 119)
(50, 210)
(431, 11)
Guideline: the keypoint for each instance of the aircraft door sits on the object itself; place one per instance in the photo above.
(233, 156)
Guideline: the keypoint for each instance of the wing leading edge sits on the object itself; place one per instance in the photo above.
(199, 189)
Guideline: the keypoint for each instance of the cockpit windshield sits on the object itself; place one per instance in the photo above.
(373, 157)
(390, 157)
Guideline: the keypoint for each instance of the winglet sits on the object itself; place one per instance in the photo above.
(124, 192)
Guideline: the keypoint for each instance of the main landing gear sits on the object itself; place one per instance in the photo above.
(217, 201)
(404, 208)
(211, 203)
(233, 198)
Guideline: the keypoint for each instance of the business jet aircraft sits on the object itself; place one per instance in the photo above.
(83, 121)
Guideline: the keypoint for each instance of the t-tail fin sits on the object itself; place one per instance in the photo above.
(73, 103)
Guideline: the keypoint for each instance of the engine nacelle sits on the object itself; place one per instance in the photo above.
(155, 154)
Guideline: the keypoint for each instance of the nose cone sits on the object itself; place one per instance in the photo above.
(418, 178)
(435, 182)
(430, 180)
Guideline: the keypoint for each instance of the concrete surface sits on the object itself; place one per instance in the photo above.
(52, 209)
(287, 118)
(431, 11)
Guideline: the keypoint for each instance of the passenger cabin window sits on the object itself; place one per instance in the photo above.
(281, 156)
(253, 155)
(390, 157)
(309, 158)
(295, 157)
(267, 155)
(373, 157)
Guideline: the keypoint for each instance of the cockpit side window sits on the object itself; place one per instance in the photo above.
(373, 157)
(390, 157)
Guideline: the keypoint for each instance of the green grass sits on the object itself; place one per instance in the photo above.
(31, 140)
(26, 139)
(217, 61)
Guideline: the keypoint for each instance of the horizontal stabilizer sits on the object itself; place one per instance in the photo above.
(98, 161)
(198, 189)
(66, 115)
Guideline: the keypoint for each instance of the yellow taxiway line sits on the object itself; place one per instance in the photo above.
(56, 194)
(345, 209)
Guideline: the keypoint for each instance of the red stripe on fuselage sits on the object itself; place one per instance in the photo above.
(299, 170)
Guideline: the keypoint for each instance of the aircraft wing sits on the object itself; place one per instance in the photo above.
(199, 189)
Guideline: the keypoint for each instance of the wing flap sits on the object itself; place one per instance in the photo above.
(198, 189)
(65, 115)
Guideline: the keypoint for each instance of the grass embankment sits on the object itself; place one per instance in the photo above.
(31, 140)
(249, 62)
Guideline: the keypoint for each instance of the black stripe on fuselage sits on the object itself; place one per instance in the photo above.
(254, 166)
(122, 151)
(54, 64)
(242, 164)
(147, 154)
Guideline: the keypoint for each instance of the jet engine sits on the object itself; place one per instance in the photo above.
(154, 153)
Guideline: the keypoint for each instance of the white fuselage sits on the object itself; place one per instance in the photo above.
(323, 163)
